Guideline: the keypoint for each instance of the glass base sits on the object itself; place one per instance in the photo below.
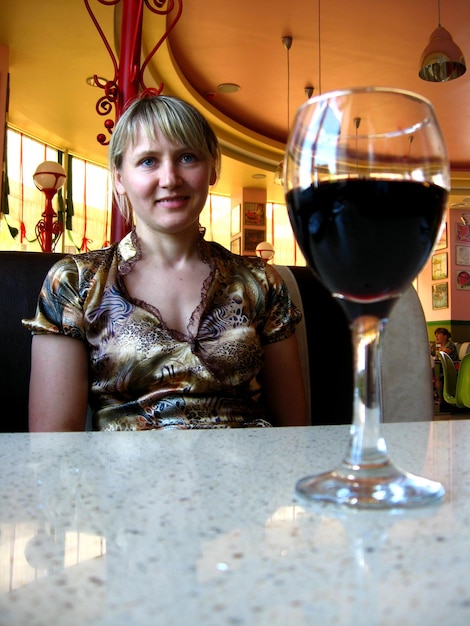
(373, 487)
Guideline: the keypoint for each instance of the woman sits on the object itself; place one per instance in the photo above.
(164, 329)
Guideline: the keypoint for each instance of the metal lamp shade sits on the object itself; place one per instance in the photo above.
(442, 60)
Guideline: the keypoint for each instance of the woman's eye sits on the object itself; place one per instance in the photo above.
(188, 158)
(148, 161)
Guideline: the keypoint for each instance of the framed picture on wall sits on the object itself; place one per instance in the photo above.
(439, 266)
(462, 255)
(442, 243)
(235, 246)
(236, 220)
(254, 213)
(253, 237)
(463, 280)
(440, 296)
(463, 232)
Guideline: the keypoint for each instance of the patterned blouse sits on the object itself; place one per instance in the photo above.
(144, 375)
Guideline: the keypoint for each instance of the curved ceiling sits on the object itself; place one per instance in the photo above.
(54, 46)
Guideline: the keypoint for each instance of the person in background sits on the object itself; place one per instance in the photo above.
(444, 343)
(164, 329)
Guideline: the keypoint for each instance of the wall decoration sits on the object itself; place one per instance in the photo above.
(253, 237)
(440, 296)
(462, 255)
(439, 266)
(236, 220)
(254, 213)
(463, 232)
(463, 280)
(235, 246)
(442, 243)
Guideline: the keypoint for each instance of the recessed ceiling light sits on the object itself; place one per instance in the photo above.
(259, 176)
(228, 88)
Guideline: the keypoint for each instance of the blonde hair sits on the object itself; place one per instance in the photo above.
(177, 120)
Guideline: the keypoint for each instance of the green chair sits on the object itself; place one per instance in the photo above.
(462, 393)
(449, 387)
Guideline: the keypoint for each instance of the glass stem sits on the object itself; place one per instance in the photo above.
(366, 445)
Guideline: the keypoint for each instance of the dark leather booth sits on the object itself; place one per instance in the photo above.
(22, 274)
(328, 339)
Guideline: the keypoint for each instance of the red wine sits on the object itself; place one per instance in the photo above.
(367, 239)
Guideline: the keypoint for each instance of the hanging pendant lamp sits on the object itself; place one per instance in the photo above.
(279, 174)
(442, 60)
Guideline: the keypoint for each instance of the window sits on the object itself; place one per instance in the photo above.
(87, 193)
(90, 198)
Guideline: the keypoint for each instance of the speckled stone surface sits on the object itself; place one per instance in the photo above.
(204, 528)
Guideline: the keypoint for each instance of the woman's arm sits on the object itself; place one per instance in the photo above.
(283, 384)
(58, 392)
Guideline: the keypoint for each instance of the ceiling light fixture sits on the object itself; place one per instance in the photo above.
(228, 88)
(465, 205)
(279, 174)
(442, 60)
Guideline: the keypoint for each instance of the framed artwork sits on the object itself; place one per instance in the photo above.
(442, 243)
(440, 296)
(236, 220)
(463, 232)
(254, 213)
(254, 236)
(439, 266)
(463, 280)
(462, 255)
(235, 245)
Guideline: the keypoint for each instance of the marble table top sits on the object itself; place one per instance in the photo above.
(204, 528)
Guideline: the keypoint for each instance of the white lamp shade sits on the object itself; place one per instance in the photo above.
(49, 175)
(265, 250)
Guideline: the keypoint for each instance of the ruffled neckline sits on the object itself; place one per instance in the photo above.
(129, 252)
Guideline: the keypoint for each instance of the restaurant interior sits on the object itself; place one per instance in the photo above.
(206, 529)
(248, 68)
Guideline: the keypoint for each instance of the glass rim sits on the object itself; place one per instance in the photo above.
(337, 93)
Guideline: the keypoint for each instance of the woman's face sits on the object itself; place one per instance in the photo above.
(165, 183)
(441, 338)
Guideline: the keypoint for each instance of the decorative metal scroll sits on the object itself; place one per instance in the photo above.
(114, 97)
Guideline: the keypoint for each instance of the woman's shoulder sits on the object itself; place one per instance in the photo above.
(253, 266)
(231, 258)
(76, 271)
(85, 262)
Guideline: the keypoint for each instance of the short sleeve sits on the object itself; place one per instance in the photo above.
(282, 315)
(59, 309)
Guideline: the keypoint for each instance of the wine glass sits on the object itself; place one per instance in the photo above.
(366, 184)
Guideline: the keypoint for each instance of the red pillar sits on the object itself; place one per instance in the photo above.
(128, 81)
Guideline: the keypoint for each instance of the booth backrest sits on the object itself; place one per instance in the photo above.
(406, 375)
(324, 343)
(22, 274)
(463, 348)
